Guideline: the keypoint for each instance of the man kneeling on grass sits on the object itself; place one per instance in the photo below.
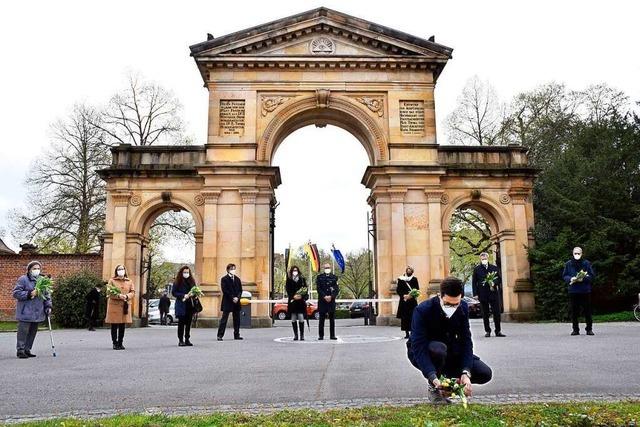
(440, 342)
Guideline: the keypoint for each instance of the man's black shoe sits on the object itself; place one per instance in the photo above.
(92, 328)
(575, 333)
(188, 343)
(500, 334)
(320, 338)
(219, 338)
(28, 353)
(238, 338)
(487, 335)
(181, 344)
(333, 338)
(590, 333)
(22, 355)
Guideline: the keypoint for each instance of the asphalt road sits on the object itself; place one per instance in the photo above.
(368, 363)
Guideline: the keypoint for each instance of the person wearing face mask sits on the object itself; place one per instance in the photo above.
(407, 303)
(119, 306)
(489, 296)
(164, 303)
(231, 293)
(297, 304)
(31, 309)
(184, 304)
(328, 289)
(579, 289)
(441, 344)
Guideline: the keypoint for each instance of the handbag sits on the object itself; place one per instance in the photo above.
(197, 305)
(125, 308)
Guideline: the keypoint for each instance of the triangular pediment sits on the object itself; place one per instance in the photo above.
(320, 32)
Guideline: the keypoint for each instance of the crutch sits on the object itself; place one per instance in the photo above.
(53, 347)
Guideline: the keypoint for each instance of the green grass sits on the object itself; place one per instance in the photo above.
(622, 316)
(12, 326)
(575, 414)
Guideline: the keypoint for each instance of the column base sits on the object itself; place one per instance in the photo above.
(387, 321)
(214, 322)
(519, 316)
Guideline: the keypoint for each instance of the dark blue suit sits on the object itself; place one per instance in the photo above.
(231, 288)
(579, 292)
(488, 298)
(327, 286)
(440, 345)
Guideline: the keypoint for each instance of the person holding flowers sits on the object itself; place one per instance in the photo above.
(487, 288)
(185, 292)
(440, 343)
(408, 289)
(120, 293)
(298, 294)
(33, 295)
(578, 274)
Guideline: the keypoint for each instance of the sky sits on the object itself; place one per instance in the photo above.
(55, 54)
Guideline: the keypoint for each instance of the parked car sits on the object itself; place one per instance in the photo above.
(280, 311)
(474, 307)
(357, 309)
(154, 312)
(343, 305)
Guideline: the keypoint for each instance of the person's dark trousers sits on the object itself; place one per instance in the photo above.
(117, 333)
(26, 335)
(581, 301)
(184, 328)
(163, 317)
(332, 324)
(494, 303)
(236, 323)
(92, 322)
(450, 366)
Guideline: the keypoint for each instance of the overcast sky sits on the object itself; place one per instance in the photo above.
(55, 54)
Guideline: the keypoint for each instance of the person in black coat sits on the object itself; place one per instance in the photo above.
(407, 303)
(163, 306)
(328, 289)
(579, 290)
(488, 295)
(441, 344)
(231, 293)
(297, 294)
(184, 311)
(92, 306)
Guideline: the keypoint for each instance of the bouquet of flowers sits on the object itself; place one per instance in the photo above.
(303, 291)
(580, 276)
(195, 292)
(113, 290)
(453, 387)
(414, 293)
(490, 280)
(44, 287)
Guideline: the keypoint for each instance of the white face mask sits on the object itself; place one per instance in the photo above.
(577, 257)
(185, 274)
(35, 272)
(120, 272)
(484, 261)
(232, 272)
(448, 311)
(327, 270)
(295, 273)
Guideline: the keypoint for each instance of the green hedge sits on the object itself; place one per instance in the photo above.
(68, 299)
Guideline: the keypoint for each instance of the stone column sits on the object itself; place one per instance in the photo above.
(398, 232)
(119, 202)
(436, 242)
(262, 255)
(524, 304)
(384, 266)
(209, 273)
(248, 258)
(446, 241)
(509, 268)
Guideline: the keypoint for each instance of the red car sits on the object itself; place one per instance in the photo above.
(280, 311)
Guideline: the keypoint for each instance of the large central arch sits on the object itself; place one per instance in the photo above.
(321, 67)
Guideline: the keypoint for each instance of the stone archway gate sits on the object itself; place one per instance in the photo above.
(321, 67)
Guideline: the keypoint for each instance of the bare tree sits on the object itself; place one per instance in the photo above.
(470, 236)
(142, 114)
(355, 278)
(478, 118)
(66, 197)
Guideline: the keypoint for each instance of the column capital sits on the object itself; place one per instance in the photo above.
(434, 195)
(121, 198)
(397, 195)
(519, 195)
(248, 196)
(210, 197)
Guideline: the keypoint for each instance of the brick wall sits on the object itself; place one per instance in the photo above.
(13, 266)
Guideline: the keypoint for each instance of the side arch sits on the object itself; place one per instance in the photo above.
(154, 207)
(498, 217)
(340, 112)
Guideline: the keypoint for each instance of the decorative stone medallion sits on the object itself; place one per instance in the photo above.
(322, 46)
(198, 199)
(444, 199)
(135, 200)
(505, 199)
(376, 105)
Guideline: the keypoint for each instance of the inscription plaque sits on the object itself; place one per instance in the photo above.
(232, 117)
(412, 117)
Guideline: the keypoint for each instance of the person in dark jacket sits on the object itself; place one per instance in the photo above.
(407, 303)
(92, 307)
(181, 290)
(231, 293)
(579, 289)
(441, 344)
(488, 294)
(328, 289)
(297, 294)
(164, 304)
(31, 309)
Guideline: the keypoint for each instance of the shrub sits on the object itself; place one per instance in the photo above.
(69, 298)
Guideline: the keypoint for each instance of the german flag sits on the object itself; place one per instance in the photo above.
(312, 252)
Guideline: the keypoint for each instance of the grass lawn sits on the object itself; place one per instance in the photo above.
(10, 326)
(574, 414)
(621, 316)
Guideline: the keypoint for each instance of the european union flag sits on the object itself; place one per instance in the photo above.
(337, 255)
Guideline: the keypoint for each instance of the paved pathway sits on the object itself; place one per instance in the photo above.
(367, 366)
